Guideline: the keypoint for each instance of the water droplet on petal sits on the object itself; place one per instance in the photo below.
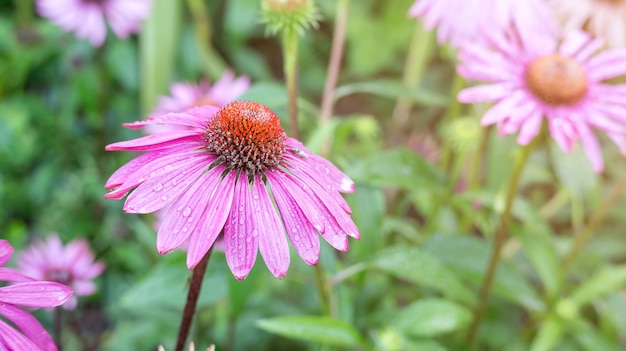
(296, 237)
(158, 187)
(187, 211)
(255, 233)
(163, 198)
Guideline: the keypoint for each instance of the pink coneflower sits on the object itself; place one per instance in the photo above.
(25, 333)
(235, 171)
(534, 76)
(187, 95)
(86, 17)
(72, 265)
(602, 18)
(464, 21)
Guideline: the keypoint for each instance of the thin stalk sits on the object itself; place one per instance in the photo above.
(334, 64)
(58, 327)
(499, 240)
(290, 57)
(454, 111)
(583, 235)
(420, 49)
(192, 300)
(322, 289)
(213, 64)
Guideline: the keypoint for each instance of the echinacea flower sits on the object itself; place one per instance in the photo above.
(86, 18)
(533, 76)
(25, 332)
(235, 171)
(188, 95)
(602, 18)
(464, 21)
(72, 265)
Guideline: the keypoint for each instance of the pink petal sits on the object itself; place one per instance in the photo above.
(574, 42)
(35, 294)
(186, 212)
(272, 241)
(159, 141)
(177, 119)
(6, 251)
(502, 109)
(241, 238)
(212, 221)
(591, 146)
(608, 64)
(29, 325)
(10, 275)
(530, 128)
(12, 340)
(483, 93)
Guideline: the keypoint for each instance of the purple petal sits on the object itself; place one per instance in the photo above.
(6, 251)
(212, 221)
(502, 109)
(482, 93)
(160, 190)
(591, 146)
(186, 212)
(29, 325)
(10, 275)
(530, 128)
(241, 238)
(303, 235)
(37, 294)
(159, 141)
(608, 64)
(179, 119)
(272, 241)
(12, 340)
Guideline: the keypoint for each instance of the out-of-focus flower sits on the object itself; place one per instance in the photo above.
(25, 333)
(86, 18)
(464, 21)
(535, 76)
(602, 18)
(187, 95)
(72, 265)
(216, 176)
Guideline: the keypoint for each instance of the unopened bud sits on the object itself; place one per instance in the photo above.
(289, 15)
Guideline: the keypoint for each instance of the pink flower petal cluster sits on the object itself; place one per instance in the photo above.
(187, 95)
(462, 22)
(86, 18)
(234, 171)
(72, 265)
(24, 331)
(534, 76)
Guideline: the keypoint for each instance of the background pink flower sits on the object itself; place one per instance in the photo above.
(86, 18)
(463, 21)
(535, 76)
(72, 264)
(227, 172)
(25, 333)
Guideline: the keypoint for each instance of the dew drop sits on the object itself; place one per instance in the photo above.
(174, 182)
(241, 220)
(190, 219)
(294, 230)
(240, 235)
(185, 229)
(187, 211)
(255, 233)
(255, 196)
(163, 198)
(248, 239)
(158, 187)
(296, 237)
(241, 208)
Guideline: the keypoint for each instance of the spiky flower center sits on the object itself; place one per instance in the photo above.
(557, 80)
(247, 136)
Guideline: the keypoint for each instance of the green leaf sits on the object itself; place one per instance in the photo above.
(121, 60)
(324, 330)
(607, 280)
(368, 209)
(590, 338)
(158, 50)
(397, 168)
(550, 334)
(468, 257)
(431, 317)
(393, 89)
(420, 267)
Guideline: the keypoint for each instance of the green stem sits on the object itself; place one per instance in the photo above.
(323, 289)
(290, 56)
(213, 64)
(583, 235)
(499, 240)
(58, 327)
(454, 111)
(420, 49)
(195, 285)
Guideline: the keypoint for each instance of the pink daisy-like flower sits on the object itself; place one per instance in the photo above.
(463, 21)
(72, 265)
(602, 18)
(235, 171)
(534, 76)
(187, 95)
(25, 332)
(86, 18)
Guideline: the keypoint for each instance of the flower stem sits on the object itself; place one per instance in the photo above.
(336, 53)
(499, 240)
(323, 289)
(192, 299)
(214, 66)
(585, 233)
(58, 327)
(416, 60)
(290, 57)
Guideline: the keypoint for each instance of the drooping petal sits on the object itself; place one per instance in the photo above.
(176, 119)
(241, 238)
(11, 339)
(272, 241)
(6, 251)
(10, 275)
(591, 146)
(158, 141)
(212, 221)
(35, 294)
(29, 325)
